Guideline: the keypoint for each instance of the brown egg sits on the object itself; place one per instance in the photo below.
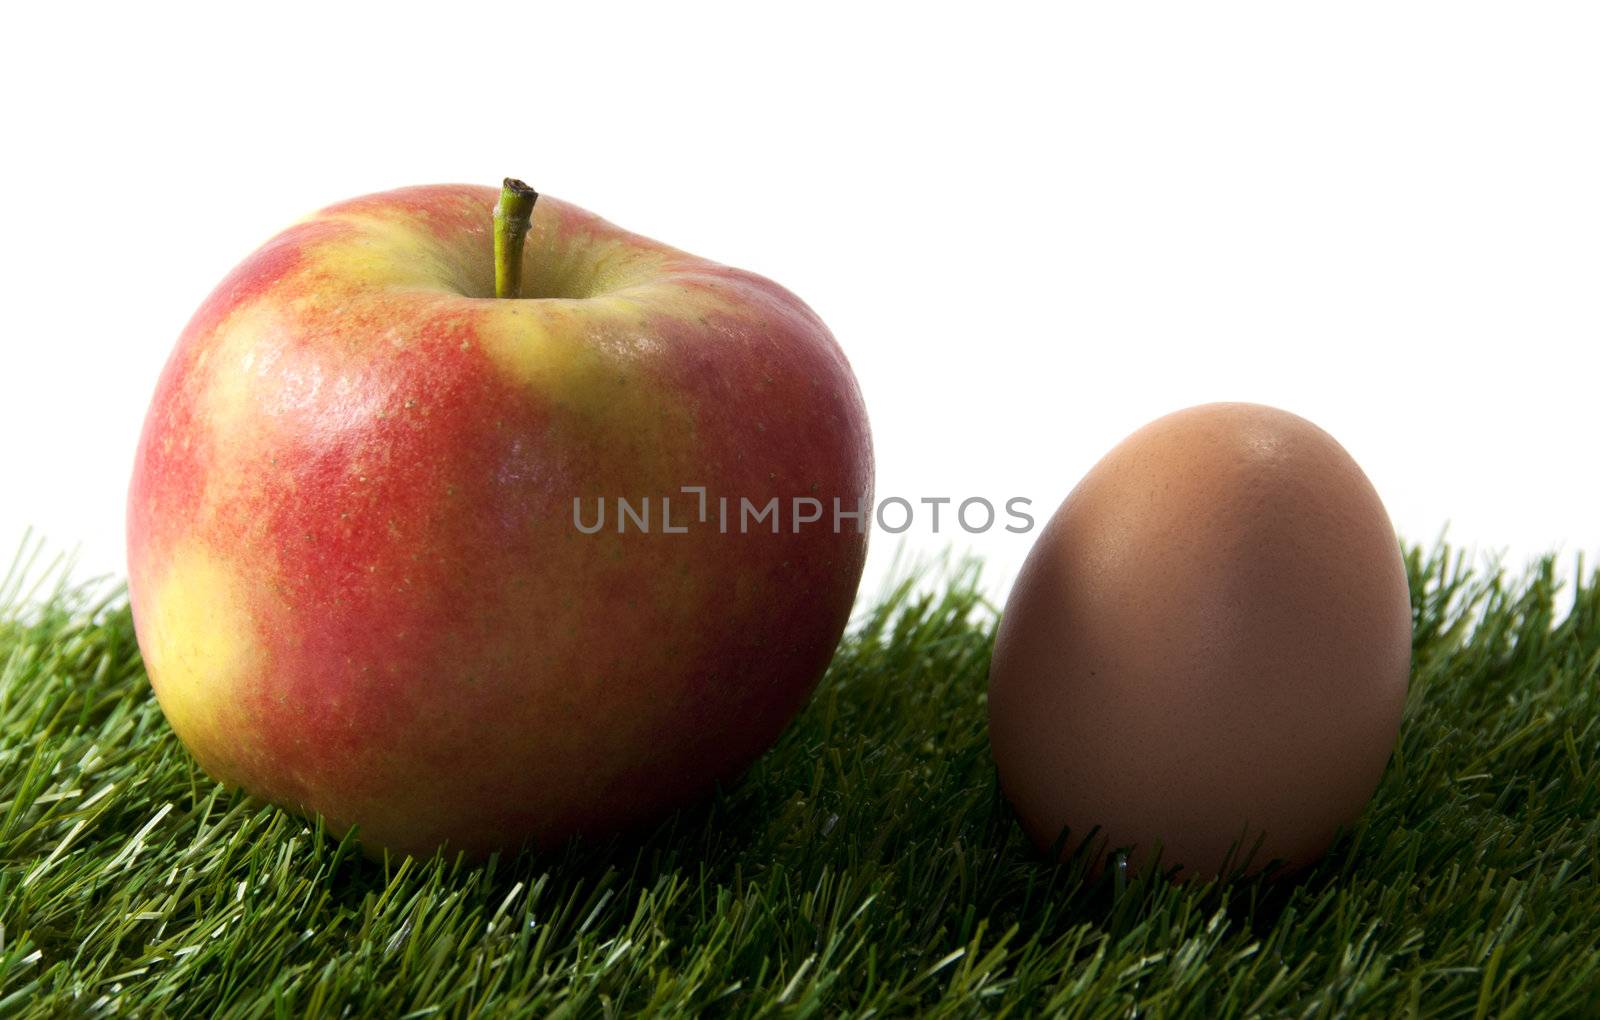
(1208, 645)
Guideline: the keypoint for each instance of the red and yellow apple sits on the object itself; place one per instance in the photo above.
(355, 570)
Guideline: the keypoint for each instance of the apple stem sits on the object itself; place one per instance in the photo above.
(511, 217)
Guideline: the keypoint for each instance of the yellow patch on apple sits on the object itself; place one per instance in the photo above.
(199, 640)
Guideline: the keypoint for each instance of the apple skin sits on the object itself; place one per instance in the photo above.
(355, 575)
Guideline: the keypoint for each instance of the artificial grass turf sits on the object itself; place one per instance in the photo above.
(866, 866)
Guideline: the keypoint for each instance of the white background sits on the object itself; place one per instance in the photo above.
(1032, 231)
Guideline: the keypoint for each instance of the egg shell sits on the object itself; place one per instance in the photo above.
(1207, 646)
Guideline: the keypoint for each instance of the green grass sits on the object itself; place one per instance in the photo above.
(867, 866)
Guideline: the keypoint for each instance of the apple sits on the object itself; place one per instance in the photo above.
(355, 565)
